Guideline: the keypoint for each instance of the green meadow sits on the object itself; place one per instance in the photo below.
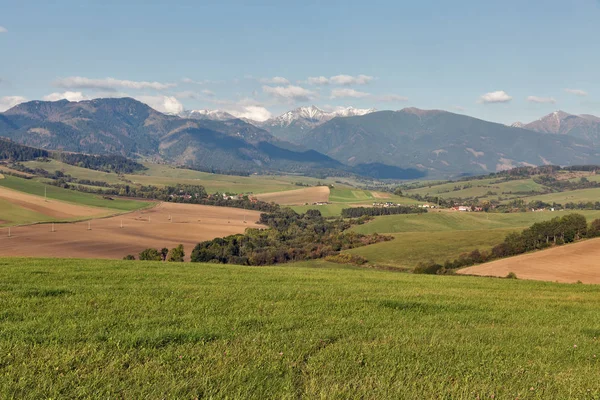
(116, 329)
(53, 192)
(440, 236)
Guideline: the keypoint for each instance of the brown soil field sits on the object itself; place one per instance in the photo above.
(569, 263)
(297, 197)
(380, 195)
(189, 225)
(53, 208)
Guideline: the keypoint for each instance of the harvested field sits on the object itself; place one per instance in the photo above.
(570, 263)
(51, 208)
(297, 197)
(189, 225)
(380, 195)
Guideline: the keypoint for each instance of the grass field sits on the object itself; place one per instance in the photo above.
(479, 188)
(167, 175)
(453, 221)
(408, 249)
(72, 196)
(573, 196)
(441, 236)
(161, 175)
(77, 172)
(110, 329)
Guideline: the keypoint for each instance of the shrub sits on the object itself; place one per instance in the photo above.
(129, 257)
(511, 275)
(346, 258)
(176, 254)
(429, 268)
(150, 255)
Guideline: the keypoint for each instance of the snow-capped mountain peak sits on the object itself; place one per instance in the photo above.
(214, 115)
(313, 115)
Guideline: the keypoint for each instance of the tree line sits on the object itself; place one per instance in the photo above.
(109, 163)
(290, 237)
(355, 212)
(12, 151)
(541, 235)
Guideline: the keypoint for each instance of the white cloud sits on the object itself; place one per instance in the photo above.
(499, 96)
(343, 80)
(165, 104)
(459, 108)
(343, 93)
(289, 93)
(208, 93)
(391, 98)
(255, 113)
(109, 84)
(350, 80)
(71, 96)
(318, 80)
(541, 100)
(276, 80)
(577, 92)
(7, 102)
(3, 29)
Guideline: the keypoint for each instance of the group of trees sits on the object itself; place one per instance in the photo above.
(355, 212)
(106, 163)
(12, 151)
(541, 235)
(176, 254)
(290, 237)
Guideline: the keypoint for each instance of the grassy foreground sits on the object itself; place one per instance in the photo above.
(106, 329)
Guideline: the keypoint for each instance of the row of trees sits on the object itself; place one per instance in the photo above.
(355, 212)
(541, 235)
(176, 254)
(290, 237)
(106, 163)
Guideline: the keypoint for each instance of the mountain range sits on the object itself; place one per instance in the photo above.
(404, 144)
(583, 126)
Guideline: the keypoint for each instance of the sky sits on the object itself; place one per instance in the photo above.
(502, 61)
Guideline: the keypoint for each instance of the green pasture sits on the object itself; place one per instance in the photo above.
(116, 329)
(408, 249)
(435, 221)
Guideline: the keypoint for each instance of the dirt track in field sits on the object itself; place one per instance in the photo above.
(569, 263)
(297, 197)
(52, 208)
(189, 225)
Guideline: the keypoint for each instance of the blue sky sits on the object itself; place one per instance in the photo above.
(503, 61)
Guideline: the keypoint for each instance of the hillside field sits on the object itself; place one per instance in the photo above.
(440, 236)
(571, 263)
(37, 188)
(297, 197)
(165, 225)
(90, 328)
